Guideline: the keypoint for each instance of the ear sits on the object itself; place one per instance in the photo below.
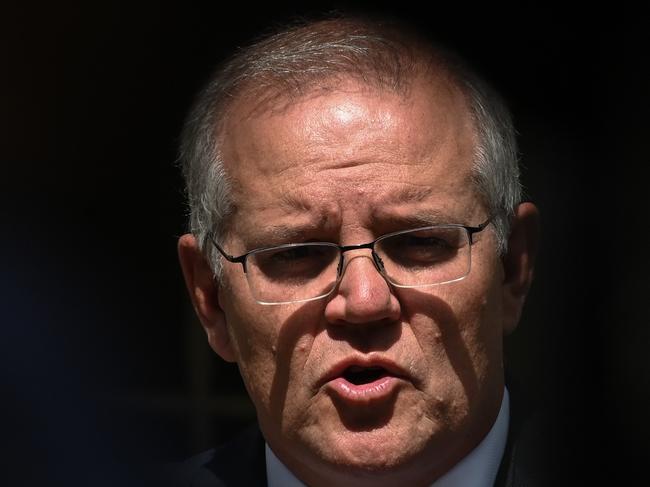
(203, 289)
(519, 263)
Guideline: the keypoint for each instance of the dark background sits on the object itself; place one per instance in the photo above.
(102, 364)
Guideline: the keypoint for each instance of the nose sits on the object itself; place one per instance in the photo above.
(363, 295)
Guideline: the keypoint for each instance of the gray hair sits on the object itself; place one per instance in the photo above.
(288, 63)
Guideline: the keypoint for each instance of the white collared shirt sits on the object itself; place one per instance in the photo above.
(478, 469)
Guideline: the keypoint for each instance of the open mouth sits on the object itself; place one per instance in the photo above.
(358, 375)
(362, 381)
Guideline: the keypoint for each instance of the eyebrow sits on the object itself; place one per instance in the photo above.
(393, 212)
(284, 233)
(420, 218)
(287, 232)
(402, 195)
(410, 194)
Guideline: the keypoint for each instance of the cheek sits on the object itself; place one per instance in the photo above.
(272, 344)
(478, 310)
(255, 355)
(457, 327)
(253, 334)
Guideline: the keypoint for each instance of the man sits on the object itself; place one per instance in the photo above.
(359, 248)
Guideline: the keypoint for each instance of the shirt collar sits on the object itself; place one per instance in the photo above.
(478, 469)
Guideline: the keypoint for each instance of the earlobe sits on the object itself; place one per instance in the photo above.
(519, 263)
(203, 290)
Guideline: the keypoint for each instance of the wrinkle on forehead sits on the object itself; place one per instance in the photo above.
(356, 146)
(301, 199)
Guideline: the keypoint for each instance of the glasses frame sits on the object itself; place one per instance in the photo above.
(241, 259)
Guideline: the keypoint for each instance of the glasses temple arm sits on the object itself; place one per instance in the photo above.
(227, 256)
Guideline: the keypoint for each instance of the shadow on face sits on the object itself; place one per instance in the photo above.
(365, 338)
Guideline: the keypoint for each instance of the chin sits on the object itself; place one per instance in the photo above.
(370, 453)
(372, 459)
(374, 451)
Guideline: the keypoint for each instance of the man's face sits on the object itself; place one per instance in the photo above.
(347, 166)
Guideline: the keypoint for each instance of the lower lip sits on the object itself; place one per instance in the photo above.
(377, 390)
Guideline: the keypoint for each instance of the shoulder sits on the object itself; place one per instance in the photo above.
(239, 462)
(534, 452)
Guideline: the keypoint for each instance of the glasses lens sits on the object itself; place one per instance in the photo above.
(290, 273)
(426, 256)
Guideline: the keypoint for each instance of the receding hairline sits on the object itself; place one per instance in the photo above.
(432, 87)
(253, 103)
(293, 60)
(390, 56)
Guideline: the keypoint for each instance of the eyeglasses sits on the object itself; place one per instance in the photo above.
(421, 257)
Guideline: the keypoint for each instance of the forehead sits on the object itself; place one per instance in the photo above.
(331, 148)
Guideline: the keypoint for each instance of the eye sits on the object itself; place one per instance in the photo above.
(294, 261)
(295, 254)
(423, 247)
(431, 242)
(431, 248)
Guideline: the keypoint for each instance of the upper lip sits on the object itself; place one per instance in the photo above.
(337, 369)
